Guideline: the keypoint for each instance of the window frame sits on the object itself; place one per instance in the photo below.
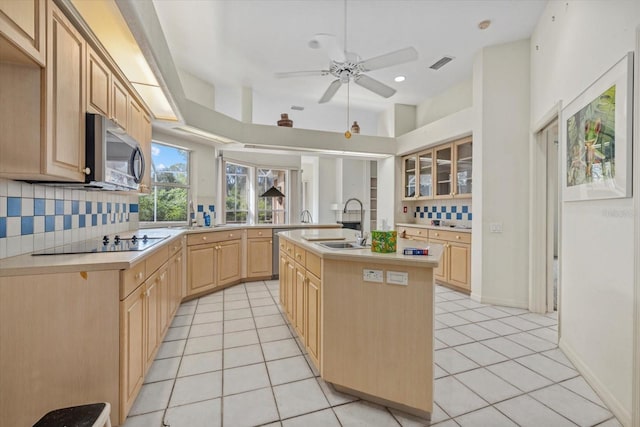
(253, 197)
(155, 184)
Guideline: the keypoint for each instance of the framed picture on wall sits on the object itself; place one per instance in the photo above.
(596, 137)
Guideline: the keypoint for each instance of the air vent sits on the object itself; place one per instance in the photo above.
(297, 108)
(441, 62)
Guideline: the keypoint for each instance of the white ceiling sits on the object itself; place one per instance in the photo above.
(236, 43)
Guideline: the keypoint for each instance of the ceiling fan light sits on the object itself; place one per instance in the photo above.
(399, 79)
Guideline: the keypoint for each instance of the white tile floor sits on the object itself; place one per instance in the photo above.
(231, 359)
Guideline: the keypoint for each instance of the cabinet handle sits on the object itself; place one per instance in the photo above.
(138, 276)
(437, 234)
(259, 233)
(289, 250)
(298, 256)
(230, 235)
(419, 232)
(87, 171)
(204, 237)
(270, 241)
(179, 259)
(458, 237)
(162, 276)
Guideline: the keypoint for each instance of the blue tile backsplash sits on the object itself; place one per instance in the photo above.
(460, 212)
(36, 217)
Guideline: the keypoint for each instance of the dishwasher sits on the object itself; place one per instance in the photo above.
(275, 261)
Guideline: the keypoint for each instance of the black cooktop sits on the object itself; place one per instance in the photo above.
(107, 244)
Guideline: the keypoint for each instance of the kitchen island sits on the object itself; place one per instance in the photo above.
(366, 319)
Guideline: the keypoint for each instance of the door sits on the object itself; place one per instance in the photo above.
(201, 271)
(425, 175)
(443, 172)
(464, 168)
(120, 102)
(229, 262)
(313, 310)
(409, 177)
(152, 302)
(133, 359)
(164, 296)
(283, 284)
(550, 134)
(290, 292)
(298, 312)
(23, 22)
(65, 89)
(459, 264)
(440, 273)
(259, 253)
(98, 85)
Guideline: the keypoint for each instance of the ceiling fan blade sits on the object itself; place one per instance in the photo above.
(388, 59)
(374, 85)
(301, 74)
(331, 90)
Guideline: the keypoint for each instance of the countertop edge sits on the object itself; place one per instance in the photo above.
(435, 227)
(364, 255)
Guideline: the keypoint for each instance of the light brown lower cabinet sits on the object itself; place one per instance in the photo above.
(259, 253)
(302, 296)
(455, 265)
(214, 259)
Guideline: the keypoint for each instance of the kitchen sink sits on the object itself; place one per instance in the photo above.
(341, 245)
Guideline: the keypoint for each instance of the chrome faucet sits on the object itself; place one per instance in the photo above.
(305, 217)
(361, 211)
(192, 215)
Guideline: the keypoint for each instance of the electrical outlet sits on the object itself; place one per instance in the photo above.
(372, 275)
(495, 227)
(397, 278)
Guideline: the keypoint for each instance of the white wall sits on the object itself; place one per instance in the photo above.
(197, 90)
(327, 189)
(596, 282)
(388, 197)
(500, 158)
(404, 119)
(452, 100)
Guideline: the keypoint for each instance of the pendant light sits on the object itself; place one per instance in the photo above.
(347, 134)
(272, 192)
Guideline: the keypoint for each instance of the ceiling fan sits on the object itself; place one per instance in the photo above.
(348, 66)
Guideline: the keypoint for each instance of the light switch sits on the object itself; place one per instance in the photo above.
(372, 275)
(495, 227)
(397, 278)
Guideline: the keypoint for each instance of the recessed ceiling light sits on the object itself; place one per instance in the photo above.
(399, 79)
(484, 24)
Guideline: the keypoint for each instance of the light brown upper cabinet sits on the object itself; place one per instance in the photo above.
(417, 170)
(46, 143)
(22, 24)
(98, 85)
(64, 154)
(145, 146)
(463, 167)
(120, 104)
(442, 172)
(409, 177)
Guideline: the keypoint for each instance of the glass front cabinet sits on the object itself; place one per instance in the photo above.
(417, 175)
(443, 172)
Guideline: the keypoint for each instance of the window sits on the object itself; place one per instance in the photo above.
(271, 210)
(237, 202)
(169, 185)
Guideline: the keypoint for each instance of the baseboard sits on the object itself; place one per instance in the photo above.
(500, 301)
(614, 405)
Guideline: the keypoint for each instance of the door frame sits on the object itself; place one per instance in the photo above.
(635, 394)
(538, 249)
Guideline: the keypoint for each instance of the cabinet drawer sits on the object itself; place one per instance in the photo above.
(156, 259)
(201, 238)
(288, 247)
(259, 232)
(131, 278)
(314, 264)
(299, 255)
(451, 236)
(413, 233)
(221, 236)
(175, 246)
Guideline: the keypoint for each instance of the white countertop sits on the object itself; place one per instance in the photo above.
(297, 236)
(43, 264)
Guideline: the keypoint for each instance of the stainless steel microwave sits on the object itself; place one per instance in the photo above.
(114, 158)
